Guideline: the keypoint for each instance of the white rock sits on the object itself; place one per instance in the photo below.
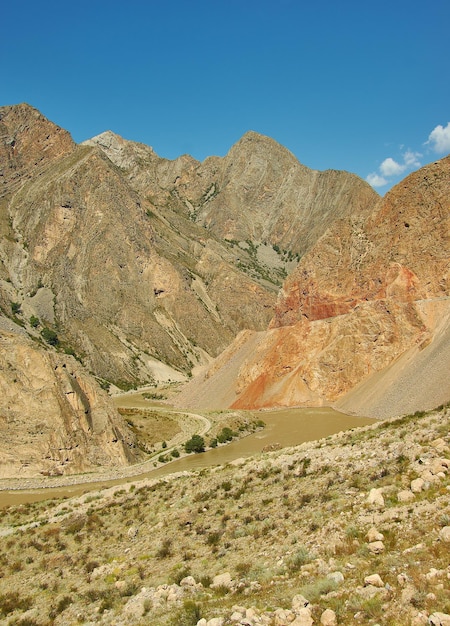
(374, 535)
(215, 621)
(202, 622)
(328, 618)
(374, 579)
(189, 581)
(439, 619)
(405, 496)
(375, 497)
(376, 547)
(417, 485)
(222, 580)
(444, 534)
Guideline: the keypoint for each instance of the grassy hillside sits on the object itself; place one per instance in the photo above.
(357, 524)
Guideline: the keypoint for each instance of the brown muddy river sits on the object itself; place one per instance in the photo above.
(287, 427)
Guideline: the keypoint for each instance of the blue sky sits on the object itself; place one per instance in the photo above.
(344, 84)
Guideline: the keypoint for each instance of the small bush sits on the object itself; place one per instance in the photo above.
(12, 601)
(301, 557)
(50, 336)
(195, 444)
(165, 549)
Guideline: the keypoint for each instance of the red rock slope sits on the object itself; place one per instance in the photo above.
(366, 306)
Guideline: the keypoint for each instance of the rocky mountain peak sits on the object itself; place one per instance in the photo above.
(121, 152)
(28, 143)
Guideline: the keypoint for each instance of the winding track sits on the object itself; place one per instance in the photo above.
(135, 470)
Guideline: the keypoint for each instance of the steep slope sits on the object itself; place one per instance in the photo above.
(84, 253)
(258, 197)
(369, 305)
(54, 418)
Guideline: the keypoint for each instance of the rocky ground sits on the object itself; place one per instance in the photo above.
(351, 529)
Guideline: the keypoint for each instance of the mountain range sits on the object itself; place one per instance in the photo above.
(264, 282)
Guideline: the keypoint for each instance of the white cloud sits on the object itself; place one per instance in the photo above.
(440, 138)
(389, 167)
(412, 159)
(376, 180)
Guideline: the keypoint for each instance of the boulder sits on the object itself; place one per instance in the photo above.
(439, 619)
(374, 579)
(375, 498)
(376, 547)
(417, 485)
(374, 535)
(328, 618)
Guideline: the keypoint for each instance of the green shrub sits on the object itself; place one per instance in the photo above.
(50, 336)
(301, 557)
(34, 321)
(195, 444)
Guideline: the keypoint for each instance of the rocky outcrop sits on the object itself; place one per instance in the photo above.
(54, 418)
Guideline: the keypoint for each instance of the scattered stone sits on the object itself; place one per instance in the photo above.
(374, 579)
(439, 619)
(444, 534)
(374, 535)
(417, 485)
(376, 547)
(375, 498)
(328, 618)
(222, 580)
(405, 496)
(337, 577)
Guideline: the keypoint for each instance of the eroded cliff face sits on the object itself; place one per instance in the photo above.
(54, 418)
(362, 297)
(398, 251)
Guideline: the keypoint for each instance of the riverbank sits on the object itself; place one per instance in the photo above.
(283, 428)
